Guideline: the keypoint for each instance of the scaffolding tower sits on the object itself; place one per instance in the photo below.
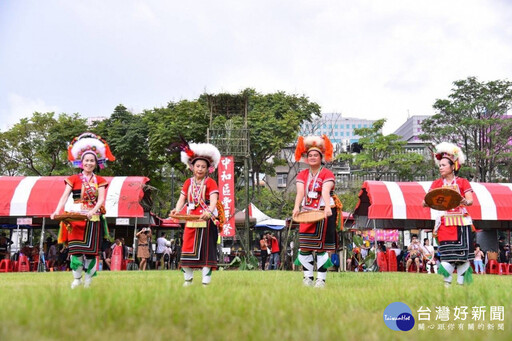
(232, 141)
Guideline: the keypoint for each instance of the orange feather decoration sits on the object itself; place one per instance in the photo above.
(300, 149)
(328, 148)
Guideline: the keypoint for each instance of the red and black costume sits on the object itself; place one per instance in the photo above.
(199, 247)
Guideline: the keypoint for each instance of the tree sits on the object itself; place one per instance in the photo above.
(8, 165)
(383, 154)
(38, 145)
(475, 117)
(185, 118)
(274, 121)
(127, 136)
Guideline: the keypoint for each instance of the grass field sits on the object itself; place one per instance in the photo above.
(239, 305)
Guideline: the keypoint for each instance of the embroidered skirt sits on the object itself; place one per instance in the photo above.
(199, 247)
(319, 236)
(85, 238)
(460, 247)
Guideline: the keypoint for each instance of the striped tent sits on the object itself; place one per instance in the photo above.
(385, 204)
(33, 196)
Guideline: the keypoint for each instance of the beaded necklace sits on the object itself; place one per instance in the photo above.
(308, 199)
(197, 191)
(89, 193)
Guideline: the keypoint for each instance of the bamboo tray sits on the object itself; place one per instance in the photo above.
(71, 217)
(310, 216)
(186, 217)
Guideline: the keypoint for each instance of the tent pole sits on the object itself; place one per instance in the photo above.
(41, 265)
(283, 251)
(134, 241)
(375, 242)
(19, 240)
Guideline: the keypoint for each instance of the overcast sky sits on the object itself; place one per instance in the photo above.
(368, 59)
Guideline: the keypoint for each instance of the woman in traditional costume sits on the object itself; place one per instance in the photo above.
(84, 237)
(454, 228)
(199, 196)
(315, 191)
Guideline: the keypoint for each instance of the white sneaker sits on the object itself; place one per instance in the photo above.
(320, 283)
(87, 282)
(187, 283)
(76, 283)
(308, 282)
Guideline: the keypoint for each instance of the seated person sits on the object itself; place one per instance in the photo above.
(429, 256)
(398, 252)
(4, 246)
(414, 254)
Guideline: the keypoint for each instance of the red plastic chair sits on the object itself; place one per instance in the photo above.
(23, 264)
(35, 263)
(382, 261)
(5, 265)
(510, 269)
(492, 267)
(392, 265)
(413, 268)
(503, 268)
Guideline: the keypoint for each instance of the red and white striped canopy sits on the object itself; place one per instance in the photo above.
(403, 201)
(34, 196)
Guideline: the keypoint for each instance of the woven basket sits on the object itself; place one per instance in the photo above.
(309, 216)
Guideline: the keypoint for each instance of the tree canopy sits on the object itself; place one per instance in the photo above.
(38, 145)
(383, 154)
(475, 117)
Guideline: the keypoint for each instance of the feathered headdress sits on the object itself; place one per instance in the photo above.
(452, 152)
(322, 144)
(190, 152)
(89, 143)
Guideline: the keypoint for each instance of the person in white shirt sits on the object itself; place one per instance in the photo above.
(428, 255)
(161, 245)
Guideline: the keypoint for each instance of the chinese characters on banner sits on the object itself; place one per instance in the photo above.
(227, 193)
(382, 235)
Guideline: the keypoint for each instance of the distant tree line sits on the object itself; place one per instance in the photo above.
(474, 116)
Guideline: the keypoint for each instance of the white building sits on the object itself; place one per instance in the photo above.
(411, 129)
(339, 129)
(410, 132)
(91, 120)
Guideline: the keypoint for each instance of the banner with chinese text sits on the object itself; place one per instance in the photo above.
(227, 193)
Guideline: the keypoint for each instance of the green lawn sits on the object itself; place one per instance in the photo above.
(239, 305)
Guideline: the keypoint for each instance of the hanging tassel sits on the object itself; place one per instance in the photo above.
(108, 154)
(297, 261)
(339, 213)
(328, 148)
(442, 271)
(300, 149)
(62, 236)
(468, 277)
(70, 155)
(221, 216)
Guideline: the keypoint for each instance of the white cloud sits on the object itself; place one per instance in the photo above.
(19, 107)
(365, 58)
